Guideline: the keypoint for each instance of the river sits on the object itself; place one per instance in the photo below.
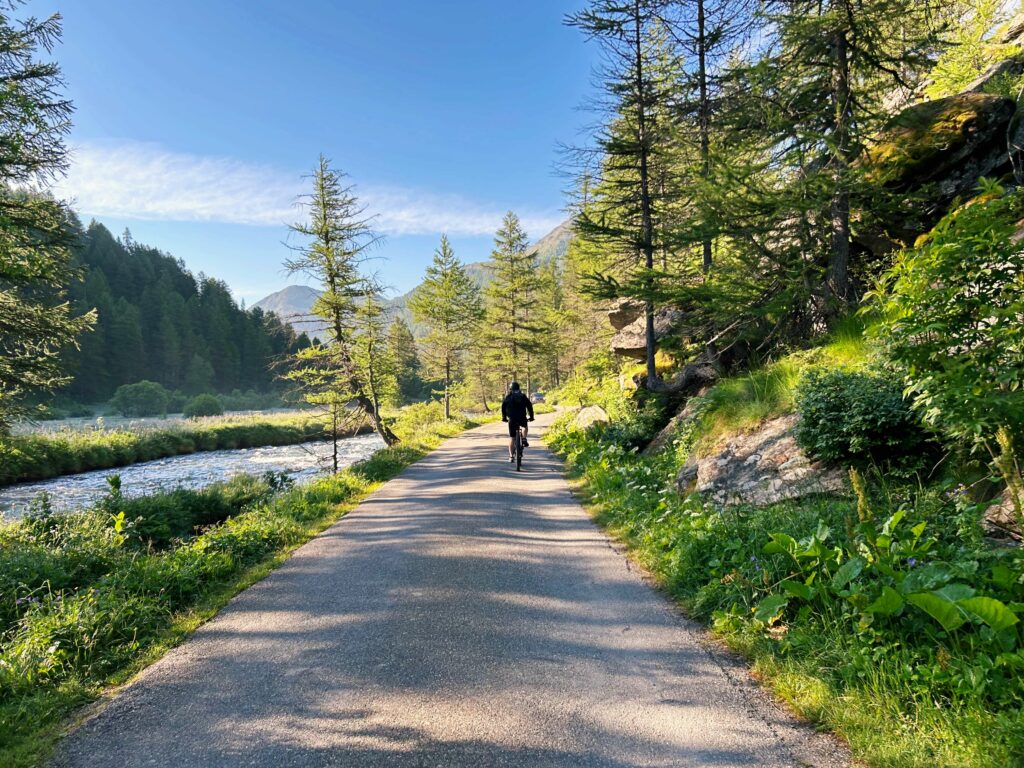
(194, 470)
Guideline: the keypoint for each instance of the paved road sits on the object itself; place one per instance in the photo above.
(465, 615)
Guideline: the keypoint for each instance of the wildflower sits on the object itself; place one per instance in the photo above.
(911, 561)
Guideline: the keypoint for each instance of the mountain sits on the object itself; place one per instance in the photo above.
(294, 303)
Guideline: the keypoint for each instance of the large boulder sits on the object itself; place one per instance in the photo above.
(589, 416)
(934, 153)
(625, 312)
(631, 340)
(760, 468)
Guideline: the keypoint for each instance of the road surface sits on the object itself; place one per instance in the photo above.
(464, 615)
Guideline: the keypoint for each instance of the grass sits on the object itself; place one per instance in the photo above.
(87, 600)
(741, 403)
(901, 690)
(46, 455)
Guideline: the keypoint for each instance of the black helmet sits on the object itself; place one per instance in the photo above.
(514, 386)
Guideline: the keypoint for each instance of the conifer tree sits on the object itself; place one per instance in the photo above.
(626, 200)
(36, 232)
(448, 302)
(511, 330)
(337, 236)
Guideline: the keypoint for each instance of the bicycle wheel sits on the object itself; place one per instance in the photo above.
(519, 450)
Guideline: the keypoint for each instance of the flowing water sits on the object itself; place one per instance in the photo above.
(195, 470)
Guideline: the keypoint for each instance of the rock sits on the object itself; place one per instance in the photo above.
(589, 416)
(761, 468)
(625, 312)
(631, 340)
(1012, 66)
(689, 412)
(1002, 516)
(938, 149)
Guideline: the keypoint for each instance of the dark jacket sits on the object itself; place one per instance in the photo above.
(515, 406)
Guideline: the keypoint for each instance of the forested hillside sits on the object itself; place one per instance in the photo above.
(157, 321)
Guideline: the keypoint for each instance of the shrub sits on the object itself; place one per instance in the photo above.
(145, 398)
(853, 417)
(950, 319)
(202, 405)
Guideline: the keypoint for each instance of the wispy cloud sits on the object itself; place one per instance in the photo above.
(148, 182)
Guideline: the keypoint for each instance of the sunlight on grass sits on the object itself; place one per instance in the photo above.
(741, 403)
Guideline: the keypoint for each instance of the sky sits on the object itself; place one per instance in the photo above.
(197, 122)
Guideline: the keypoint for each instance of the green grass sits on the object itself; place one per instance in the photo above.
(902, 691)
(46, 455)
(742, 402)
(88, 600)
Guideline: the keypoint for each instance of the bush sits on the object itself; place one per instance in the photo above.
(950, 319)
(146, 398)
(202, 405)
(857, 418)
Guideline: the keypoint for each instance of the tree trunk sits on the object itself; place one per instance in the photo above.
(382, 429)
(703, 114)
(334, 436)
(646, 217)
(838, 280)
(447, 385)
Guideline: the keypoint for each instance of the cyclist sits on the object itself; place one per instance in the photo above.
(514, 410)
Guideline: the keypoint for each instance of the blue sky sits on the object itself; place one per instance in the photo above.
(196, 121)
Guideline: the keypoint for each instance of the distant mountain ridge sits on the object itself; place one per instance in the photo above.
(294, 303)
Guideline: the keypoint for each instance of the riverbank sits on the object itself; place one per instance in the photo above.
(46, 455)
(88, 600)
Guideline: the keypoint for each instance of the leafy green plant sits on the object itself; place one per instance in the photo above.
(950, 313)
(857, 418)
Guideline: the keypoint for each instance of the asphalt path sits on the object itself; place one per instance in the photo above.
(463, 615)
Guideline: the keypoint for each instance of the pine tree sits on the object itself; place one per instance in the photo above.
(448, 302)
(337, 236)
(36, 320)
(511, 300)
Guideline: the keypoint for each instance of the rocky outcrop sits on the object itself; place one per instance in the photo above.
(690, 412)
(761, 468)
(625, 312)
(934, 153)
(589, 416)
(631, 340)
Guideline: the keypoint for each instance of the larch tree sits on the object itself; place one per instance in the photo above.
(36, 231)
(336, 238)
(626, 199)
(448, 302)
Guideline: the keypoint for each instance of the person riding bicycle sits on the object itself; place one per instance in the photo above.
(514, 410)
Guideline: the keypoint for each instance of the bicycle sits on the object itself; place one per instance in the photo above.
(517, 447)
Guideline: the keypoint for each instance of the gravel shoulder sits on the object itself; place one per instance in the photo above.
(464, 615)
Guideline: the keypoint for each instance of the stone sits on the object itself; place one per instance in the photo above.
(625, 312)
(761, 468)
(1012, 66)
(589, 416)
(631, 340)
(940, 148)
(1002, 517)
(689, 412)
